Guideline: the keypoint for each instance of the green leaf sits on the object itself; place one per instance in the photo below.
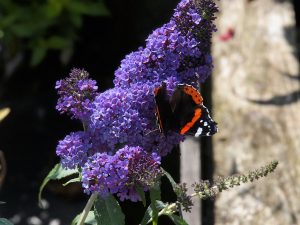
(76, 20)
(21, 30)
(148, 214)
(91, 9)
(38, 54)
(4, 221)
(8, 20)
(58, 172)
(74, 180)
(108, 211)
(90, 219)
(160, 205)
(154, 196)
(141, 193)
(170, 178)
(177, 220)
(57, 42)
(53, 8)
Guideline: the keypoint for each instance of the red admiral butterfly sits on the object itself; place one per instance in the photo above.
(184, 112)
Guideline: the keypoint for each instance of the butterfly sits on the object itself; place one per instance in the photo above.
(184, 112)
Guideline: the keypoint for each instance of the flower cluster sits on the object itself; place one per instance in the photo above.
(76, 94)
(73, 149)
(177, 51)
(121, 146)
(126, 116)
(121, 173)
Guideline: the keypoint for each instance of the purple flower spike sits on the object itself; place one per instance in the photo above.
(77, 93)
(178, 49)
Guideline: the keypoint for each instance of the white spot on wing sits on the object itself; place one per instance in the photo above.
(199, 132)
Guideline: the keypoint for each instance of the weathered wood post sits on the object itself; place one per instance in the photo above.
(190, 172)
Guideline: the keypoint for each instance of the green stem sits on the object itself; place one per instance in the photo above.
(87, 209)
(155, 214)
(224, 184)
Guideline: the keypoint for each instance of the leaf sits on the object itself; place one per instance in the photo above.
(91, 9)
(90, 219)
(76, 20)
(177, 220)
(148, 214)
(58, 172)
(170, 178)
(3, 113)
(160, 205)
(108, 211)
(57, 42)
(38, 54)
(53, 8)
(4, 221)
(22, 30)
(154, 195)
(74, 180)
(141, 193)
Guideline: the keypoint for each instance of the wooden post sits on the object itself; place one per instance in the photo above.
(190, 172)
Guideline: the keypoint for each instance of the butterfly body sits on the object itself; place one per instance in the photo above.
(184, 112)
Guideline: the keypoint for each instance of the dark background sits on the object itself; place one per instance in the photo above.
(28, 137)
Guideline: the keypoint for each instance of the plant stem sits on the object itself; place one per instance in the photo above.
(209, 191)
(87, 209)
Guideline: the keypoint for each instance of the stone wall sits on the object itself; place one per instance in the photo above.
(256, 88)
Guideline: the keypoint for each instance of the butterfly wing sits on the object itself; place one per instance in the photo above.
(191, 116)
(183, 107)
(163, 110)
(205, 125)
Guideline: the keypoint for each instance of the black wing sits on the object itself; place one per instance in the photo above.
(164, 113)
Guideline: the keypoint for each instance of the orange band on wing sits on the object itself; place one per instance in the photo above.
(159, 120)
(188, 126)
(196, 96)
(157, 111)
